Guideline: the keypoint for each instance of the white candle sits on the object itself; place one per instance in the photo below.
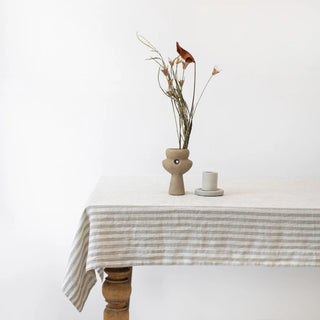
(209, 181)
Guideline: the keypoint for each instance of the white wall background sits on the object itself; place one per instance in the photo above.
(78, 101)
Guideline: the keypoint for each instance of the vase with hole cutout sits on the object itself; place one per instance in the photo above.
(177, 163)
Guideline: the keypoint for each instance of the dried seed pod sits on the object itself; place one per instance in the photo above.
(215, 71)
(184, 65)
(165, 72)
(184, 54)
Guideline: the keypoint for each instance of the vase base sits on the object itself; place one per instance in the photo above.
(176, 185)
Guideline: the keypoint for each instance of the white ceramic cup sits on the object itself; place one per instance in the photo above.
(209, 181)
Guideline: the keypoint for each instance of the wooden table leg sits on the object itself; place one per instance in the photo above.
(117, 289)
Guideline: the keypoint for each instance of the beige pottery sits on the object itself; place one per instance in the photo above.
(177, 163)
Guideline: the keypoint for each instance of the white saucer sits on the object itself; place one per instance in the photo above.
(209, 193)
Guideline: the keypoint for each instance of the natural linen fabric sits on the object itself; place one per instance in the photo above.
(120, 227)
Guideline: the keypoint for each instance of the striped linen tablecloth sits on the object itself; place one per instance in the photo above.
(133, 221)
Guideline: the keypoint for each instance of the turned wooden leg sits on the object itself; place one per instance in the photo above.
(116, 290)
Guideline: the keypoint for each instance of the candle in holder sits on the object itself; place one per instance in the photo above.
(209, 181)
(209, 185)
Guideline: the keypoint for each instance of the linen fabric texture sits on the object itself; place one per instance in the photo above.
(135, 235)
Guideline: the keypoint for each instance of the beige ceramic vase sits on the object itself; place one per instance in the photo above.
(177, 163)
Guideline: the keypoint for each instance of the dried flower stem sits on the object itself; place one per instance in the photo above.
(183, 115)
(203, 90)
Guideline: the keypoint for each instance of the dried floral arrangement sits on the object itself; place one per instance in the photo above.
(174, 73)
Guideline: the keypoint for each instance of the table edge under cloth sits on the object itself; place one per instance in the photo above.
(288, 236)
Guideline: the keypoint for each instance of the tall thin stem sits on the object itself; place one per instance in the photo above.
(203, 90)
(194, 90)
(175, 120)
(188, 128)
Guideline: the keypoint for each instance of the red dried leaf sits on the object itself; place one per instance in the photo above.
(184, 54)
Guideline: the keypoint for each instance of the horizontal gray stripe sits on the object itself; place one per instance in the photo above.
(209, 251)
(130, 259)
(285, 212)
(178, 219)
(126, 246)
(198, 253)
(116, 231)
(184, 237)
(128, 224)
(227, 262)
